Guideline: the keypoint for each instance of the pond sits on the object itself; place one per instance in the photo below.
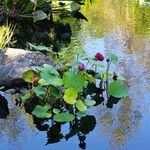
(124, 28)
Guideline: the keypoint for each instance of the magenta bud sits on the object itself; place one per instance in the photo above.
(81, 67)
(99, 57)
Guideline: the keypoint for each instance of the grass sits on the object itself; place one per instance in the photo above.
(6, 33)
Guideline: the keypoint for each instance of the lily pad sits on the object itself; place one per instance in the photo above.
(80, 105)
(41, 112)
(29, 75)
(73, 80)
(70, 96)
(64, 117)
(89, 102)
(39, 91)
(116, 89)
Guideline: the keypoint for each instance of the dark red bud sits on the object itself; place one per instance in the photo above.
(81, 67)
(99, 57)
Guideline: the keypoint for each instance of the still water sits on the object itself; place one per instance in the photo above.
(122, 27)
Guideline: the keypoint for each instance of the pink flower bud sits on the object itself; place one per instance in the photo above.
(99, 57)
(81, 67)
(36, 79)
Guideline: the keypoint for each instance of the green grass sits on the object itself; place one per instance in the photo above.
(6, 33)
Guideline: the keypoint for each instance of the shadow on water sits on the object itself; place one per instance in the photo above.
(79, 128)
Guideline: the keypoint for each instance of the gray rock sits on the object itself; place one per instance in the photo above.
(13, 62)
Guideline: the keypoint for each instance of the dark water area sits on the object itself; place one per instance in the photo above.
(122, 27)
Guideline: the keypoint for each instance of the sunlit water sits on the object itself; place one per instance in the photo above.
(123, 28)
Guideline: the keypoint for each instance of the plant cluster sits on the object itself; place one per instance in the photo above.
(6, 33)
(59, 93)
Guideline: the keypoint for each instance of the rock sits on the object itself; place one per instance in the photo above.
(13, 62)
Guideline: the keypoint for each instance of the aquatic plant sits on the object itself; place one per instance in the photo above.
(61, 92)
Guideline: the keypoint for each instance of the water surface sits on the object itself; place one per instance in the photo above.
(122, 27)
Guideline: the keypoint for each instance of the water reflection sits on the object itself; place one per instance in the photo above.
(79, 127)
(4, 111)
(122, 27)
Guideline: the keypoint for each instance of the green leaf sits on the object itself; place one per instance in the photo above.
(113, 57)
(43, 82)
(56, 111)
(51, 76)
(48, 69)
(89, 78)
(89, 102)
(64, 117)
(1, 88)
(63, 51)
(41, 112)
(116, 89)
(39, 91)
(80, 53)
(54, 91)
(80, 105)
(26, 96)
(40, 47)
(73, 80)
(55, 81)
(47, 106)
(29, 75)
(70, 96)
(82, 113)
(39, 15)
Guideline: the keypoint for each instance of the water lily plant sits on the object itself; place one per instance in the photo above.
(61, 92)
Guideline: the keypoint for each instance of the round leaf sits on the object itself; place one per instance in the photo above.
(73, 80)
(56, 111)
(41, 112)
(80, 105)
(70, 96)
(116, 89)
(29, 75)
(39, 91)
(82, 113)
(89, 102)
(64, 117)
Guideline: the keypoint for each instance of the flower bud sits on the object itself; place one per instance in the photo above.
(81, 67)
(107, 60)
(99, 57)
(36, 79)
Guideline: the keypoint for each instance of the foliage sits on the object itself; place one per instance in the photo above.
(6, 33)
(61, 92)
